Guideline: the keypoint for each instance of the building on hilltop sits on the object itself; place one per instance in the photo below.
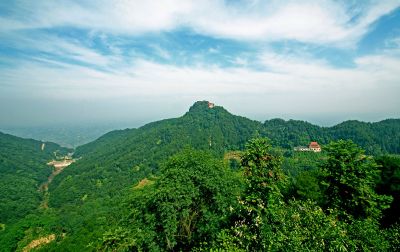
(313, 146)
(210, 105)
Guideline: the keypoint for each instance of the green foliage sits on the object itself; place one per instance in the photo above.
(389, 184)
(122, 195)
(307, 185)
(119, 159)
(266, 223)
(187, 204)
(299, 162)
(119, 239)
(375, 138)
(393, 237)
(262, 171)
(289, 134)
(305, 176)
(23, 168)
(365, 235)
(193, 198)
(262, 197)
(113, 159)
(350, 180)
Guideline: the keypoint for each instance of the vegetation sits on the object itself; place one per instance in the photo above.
(208, 180)
(376, 138)
(389, 184)
(351, 179)
(185, 210)
(23, 168)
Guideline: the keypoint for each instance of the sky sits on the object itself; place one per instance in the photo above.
(120, 61)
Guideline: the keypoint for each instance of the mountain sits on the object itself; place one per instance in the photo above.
(90, 195)
(23, 168)
(376, 138)
(291, 133)
(119, 158)
(201, 127)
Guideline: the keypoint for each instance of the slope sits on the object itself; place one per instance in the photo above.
(119, 158)
(23, 168)
(88, 197)
(376, 138)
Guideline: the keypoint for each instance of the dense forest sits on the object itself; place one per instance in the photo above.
(208, 180)
(23, 168)
(376, 138)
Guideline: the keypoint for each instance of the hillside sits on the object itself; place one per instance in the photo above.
(23, 168)
(376, 138)
(119, 158)
(91, 196)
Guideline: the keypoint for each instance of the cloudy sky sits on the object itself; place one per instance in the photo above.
(138, 61)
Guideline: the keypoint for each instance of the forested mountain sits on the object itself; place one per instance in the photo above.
(376, 138)
(85, 199)
(125, 190)
(120, 157)
(201, 127)
(23, 168)
(291, 133)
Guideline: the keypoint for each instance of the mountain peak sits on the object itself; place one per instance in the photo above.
(201, 106)
(206, 108)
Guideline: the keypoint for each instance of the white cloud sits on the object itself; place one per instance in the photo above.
(212, 50)
(240, 61)
(292, 85)
(320, 22)
(63, 49)
(161, 52)
(392, 46)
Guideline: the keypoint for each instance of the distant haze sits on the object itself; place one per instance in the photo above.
(127, 63)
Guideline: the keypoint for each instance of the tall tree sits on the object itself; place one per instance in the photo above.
(262, 199)
(389, 183)
(350, 180)
(190, 201)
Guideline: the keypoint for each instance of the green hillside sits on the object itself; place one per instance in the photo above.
(376, 138)
(119, 158)
(129, 186)
(23, 168)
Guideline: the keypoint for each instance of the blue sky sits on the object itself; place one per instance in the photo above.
(137, 61)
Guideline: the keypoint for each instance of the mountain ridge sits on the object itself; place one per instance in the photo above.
(309, 132)
(125, 156)
(199, 108)
(111, 166)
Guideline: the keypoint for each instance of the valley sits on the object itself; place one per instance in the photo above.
(59, 166)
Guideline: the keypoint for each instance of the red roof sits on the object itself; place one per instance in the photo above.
(314, 145)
